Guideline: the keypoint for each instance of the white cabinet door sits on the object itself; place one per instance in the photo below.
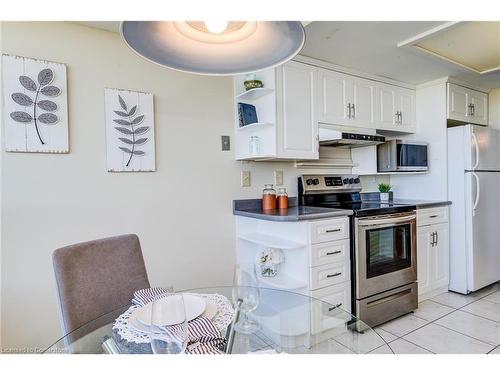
(334, 97)
(387, 107)
(405, 104)
(424, 259)
(363, 103)
(440, 256)
(458, 102)
(479, 102)
(297, 125)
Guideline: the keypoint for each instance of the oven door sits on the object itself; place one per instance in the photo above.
(385, 253)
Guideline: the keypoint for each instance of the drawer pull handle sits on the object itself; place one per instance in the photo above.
(433, 216)
(334, 274)
(335, 307)
(334, 252)
(333, 230)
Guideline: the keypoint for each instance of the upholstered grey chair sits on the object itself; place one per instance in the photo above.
(97, 277)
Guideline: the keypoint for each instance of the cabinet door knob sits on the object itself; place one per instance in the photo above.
(349, 108)
(353, 111)
(335, 307)
(333, 230)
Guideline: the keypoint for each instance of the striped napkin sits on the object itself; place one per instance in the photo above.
(204, 337)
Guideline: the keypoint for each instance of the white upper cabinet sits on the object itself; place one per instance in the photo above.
(296, 112)
(363, 103)
(334, 97)
(467, 105)
(344, 99)
(396, 110)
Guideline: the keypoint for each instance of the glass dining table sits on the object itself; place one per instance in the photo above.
(289, 322)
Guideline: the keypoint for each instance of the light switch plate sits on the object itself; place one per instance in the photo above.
(245, 179)
(226, 142)
(278, 178)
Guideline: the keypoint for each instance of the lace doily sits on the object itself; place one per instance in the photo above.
(129, 340)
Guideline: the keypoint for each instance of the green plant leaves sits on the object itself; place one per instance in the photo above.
(122, 122)
(20, 116)
(137, 120)
(47, 105)
(47, 118)
(50, 91)
(22, 99)
(122, 103)
(27, 83)
(124, 130)
(141, 130)
(45, 77)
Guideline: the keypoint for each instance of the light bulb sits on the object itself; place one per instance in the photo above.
(216, 26)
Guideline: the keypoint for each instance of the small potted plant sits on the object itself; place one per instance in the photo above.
(384, 190)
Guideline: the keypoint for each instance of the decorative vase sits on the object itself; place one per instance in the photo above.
(384, 197)
(269, 269)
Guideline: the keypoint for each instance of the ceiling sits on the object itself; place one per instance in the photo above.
(371, 46)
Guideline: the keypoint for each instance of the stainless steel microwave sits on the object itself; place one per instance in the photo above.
(402, 156)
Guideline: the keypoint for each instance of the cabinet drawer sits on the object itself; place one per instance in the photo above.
(329, 230)
(333, 308)
(433, 215)
(329, 252)
(329, 274)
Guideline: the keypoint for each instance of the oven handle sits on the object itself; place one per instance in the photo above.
(387, 220)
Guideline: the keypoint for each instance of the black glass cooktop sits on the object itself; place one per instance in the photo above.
(352, 201)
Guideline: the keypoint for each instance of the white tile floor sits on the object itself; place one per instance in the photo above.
(448, 323)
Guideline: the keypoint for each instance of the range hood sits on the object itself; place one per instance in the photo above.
(348, 137)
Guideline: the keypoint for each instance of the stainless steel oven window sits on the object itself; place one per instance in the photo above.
(388, 250)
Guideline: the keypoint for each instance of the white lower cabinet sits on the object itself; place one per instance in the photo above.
(332, 308)
(433, 252)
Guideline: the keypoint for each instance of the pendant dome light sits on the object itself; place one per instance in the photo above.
(215, 47)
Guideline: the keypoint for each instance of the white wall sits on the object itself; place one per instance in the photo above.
(494, 108)
(1, 154)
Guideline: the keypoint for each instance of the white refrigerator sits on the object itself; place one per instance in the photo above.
(474, 190)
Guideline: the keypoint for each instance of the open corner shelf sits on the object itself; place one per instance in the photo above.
(254, 126)
(254, 94)
(271, 241)
(282, 281)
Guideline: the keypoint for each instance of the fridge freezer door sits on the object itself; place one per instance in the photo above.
(482, 148)
(482, 213)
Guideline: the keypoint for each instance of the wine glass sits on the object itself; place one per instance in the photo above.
(246, 296)
(169, 328)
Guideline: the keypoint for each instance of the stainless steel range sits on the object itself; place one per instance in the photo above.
(383, 246)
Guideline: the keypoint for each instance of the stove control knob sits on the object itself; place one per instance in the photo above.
(345, 181)
(309, 181)
(351, 180)
(316, 181)
(357, 180)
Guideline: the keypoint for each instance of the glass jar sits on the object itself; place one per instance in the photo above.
(269, 197)
(254, 145)
(282, 198)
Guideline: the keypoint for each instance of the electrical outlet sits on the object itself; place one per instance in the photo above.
(245, 179)
(278, 178)
(226, 143)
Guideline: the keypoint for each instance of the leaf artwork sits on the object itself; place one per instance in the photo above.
(128, 122)
(44, 78)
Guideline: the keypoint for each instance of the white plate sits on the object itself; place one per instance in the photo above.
(195, 306)
(134, 322)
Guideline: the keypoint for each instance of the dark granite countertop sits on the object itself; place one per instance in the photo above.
(253, 208)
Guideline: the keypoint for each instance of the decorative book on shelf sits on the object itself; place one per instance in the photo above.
(247, 114)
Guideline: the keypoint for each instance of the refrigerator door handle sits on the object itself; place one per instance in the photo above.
(476, 148)
(478, 193)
